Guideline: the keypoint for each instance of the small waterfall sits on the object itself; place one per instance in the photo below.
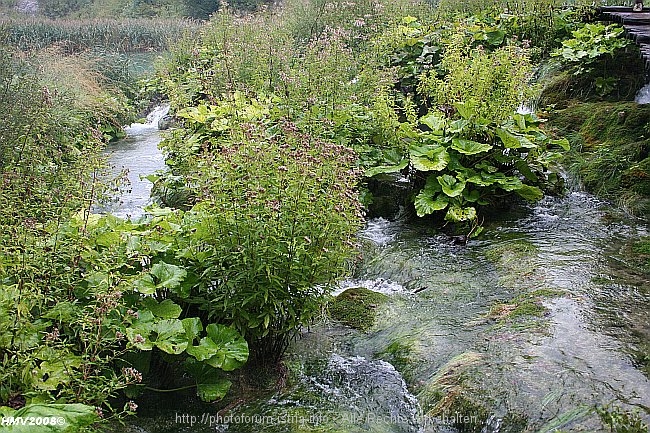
(151, 124)
(643, 95)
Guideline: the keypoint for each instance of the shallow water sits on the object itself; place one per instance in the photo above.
(139, 156)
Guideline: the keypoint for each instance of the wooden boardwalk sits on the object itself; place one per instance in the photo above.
(636, 24)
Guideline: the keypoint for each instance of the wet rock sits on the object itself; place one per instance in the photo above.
(167, 122)
(389, 195)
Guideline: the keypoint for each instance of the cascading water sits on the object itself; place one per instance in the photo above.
(643, 95)
(139, 156)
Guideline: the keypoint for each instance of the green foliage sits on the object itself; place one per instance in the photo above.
(493, 83)
(591, 42)
(286, 220)
(594, 56)
(50, 418)
(472, 149)
(622, 421)
(53, 346)
(470, 161)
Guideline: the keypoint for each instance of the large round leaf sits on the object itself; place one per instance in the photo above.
(469, 147)
(425, 204)
(429, 158)
(451, 186)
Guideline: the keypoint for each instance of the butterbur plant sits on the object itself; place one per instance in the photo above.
(471, 148)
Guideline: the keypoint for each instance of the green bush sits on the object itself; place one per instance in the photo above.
(470, 148)
(278, 215)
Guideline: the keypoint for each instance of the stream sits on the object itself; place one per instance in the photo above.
(528, 328)
(136, 156)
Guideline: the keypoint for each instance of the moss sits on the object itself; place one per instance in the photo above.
(357, 308)
(522, 307)
(610, 149)
(403, 356)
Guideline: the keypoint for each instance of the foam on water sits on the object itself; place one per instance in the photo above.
(643, 95)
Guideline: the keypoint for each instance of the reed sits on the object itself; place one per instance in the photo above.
(72, 36)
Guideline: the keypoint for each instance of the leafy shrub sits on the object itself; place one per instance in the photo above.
(599, 61)
(470, 148)
(280, 217)
(84, 300)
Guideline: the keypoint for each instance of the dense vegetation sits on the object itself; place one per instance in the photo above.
(285, 117)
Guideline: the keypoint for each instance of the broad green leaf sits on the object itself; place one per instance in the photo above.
(434, 121)
(530, 193)
(563, 143)
(514, 141)
(167, 309)
(138, 333)
(233, 351)
(471, 196)
(206, 349)
(373, 171)
(458, 214)
(525, 170)
(469, 147)
(495, 37)
(54, 372)
(170, 336)
(62, 418)
(213, 391)
(168, 276)
(132, 244)
(508, 183)
(465, 109)
(145, 284)
(429, 158)
(108, 239)
(193, 328)
(450, 185)
(425, 204)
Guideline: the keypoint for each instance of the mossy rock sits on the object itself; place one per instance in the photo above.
(357, 307)
(523, 307)
(403, 355)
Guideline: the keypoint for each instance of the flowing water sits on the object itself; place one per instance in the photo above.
(528, 328)
(136, 156)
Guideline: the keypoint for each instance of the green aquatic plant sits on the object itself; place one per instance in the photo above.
(471, 148)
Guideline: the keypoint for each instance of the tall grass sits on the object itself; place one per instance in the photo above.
(124, 35)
